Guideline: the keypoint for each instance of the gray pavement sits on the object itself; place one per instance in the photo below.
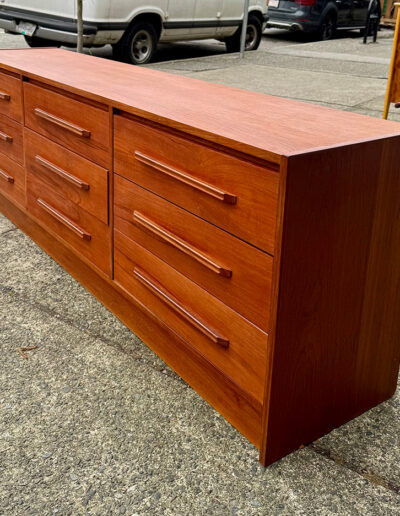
(93, 423)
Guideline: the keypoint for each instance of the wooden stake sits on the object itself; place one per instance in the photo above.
(392, 70)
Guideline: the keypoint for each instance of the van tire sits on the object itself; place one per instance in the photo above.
(254, 32)
(137, 45)
(35, 42)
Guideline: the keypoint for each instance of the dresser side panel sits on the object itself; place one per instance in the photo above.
(337, 338)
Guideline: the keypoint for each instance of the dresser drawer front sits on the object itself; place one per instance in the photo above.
(11, 140)
(11, 96)
(233, 271)
(12, 180)
(85, 233)
(233, 194)
(71, 176)
(221, 335)
(76, 125)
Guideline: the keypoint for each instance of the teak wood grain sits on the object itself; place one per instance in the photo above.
(310, 192)
(197, 249)
(12, 180)
(235, 405)
(262, 126)
(338, 303)
(80, 127)
(11, 140)
(244, 358)
(251, 217)
(11, 96)
(80, 181)
(83, 231)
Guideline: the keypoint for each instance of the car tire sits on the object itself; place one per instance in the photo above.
(253, 38)
(328, 27)
(35, 42)
(137, 45)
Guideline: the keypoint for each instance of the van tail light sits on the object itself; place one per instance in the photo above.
(306, 2)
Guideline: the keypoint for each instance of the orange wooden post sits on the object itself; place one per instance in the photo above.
(393, 84)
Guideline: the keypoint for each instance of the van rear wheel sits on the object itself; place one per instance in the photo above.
(137, 45)
(253, 36)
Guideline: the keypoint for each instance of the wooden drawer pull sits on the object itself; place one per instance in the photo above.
(180, 310)
(4, 96)
(62, 173)
(6, 176)
(166, 236)
(62, 123)
(64, 220)
(6, 138)
(181, 176)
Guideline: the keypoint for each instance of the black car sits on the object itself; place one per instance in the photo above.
(322, 17)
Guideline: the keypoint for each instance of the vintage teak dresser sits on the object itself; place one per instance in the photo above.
(252, 242)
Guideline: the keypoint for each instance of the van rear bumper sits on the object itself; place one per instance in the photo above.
(69, 38)
(56, 28)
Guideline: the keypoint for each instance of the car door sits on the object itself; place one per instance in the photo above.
(180, 17)
(344, 13)
(359, 11)
(207, 17)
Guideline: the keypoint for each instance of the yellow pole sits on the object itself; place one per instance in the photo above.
(392, 64)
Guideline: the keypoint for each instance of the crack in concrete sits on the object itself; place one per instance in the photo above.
(108, 342)
(367, 475)
(333, 56)
(322, 70)
(269, 65)
(8, 231)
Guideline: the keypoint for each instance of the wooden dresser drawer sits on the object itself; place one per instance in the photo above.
(235, 272)
(225, 338)
(233, 194)
(78, 126)
(12, 180)
(11, 96)
(85, 233)
(11, 140)
(74, 178)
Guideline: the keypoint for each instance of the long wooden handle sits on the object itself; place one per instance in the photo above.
(166, 236)
(5, 137)
(62, 173)
(6, 176)
(60, 122)
(178, 308)
(64, 220)
(4, 96)
(187, 179)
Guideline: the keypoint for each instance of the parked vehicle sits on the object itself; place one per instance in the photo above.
(134, 27)
(322, 17)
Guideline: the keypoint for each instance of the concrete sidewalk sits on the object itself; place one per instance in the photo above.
(341, 73)
(93, 423)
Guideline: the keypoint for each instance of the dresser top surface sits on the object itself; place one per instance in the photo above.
(264, 126)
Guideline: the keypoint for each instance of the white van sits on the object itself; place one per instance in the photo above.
(133, 27)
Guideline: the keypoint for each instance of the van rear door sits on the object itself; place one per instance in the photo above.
(64, 8)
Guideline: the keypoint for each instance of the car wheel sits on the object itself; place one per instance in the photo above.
(137, 45)
(35, 42)
(253, 36)
(328, 27)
